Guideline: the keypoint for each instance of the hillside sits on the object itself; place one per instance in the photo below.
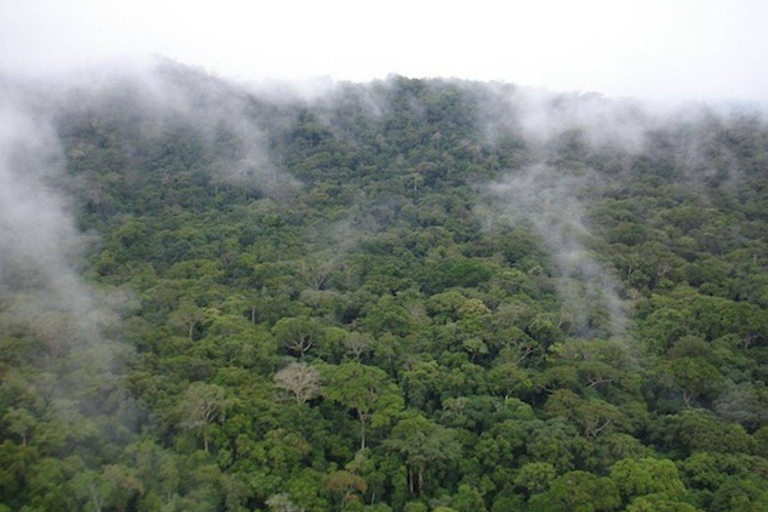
(406, 295)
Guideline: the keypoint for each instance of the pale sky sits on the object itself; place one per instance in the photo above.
(691, 49)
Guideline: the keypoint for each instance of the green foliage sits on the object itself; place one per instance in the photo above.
(424, 445)
(383, 335)
(578, 491)
(640, 477)
(365, 389)
(535, 477)
(659, 503)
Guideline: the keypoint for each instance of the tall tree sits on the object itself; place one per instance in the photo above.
(365, 389)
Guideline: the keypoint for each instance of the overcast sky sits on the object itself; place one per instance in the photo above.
(694, 49)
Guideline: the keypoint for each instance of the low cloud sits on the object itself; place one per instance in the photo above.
(546, 199)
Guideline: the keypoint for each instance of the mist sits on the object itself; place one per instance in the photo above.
(160, 226)
(40, 243)
(70, 326)
(547, 199)
(160, 99)
(146, 107)
(67, 326)
(233, 129)
(573, 148)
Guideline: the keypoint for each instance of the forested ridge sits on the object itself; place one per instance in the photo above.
(408, 295)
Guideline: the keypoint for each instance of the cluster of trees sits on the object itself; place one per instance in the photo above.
(361, 338)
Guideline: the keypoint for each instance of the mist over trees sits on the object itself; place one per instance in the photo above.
(406, 295)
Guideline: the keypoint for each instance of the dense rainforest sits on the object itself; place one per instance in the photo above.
(408, 295)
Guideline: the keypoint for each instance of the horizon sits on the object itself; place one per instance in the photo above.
(662, 51)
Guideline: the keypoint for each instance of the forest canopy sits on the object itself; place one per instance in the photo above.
(406, 295)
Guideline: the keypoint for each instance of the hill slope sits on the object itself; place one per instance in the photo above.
(405, 295)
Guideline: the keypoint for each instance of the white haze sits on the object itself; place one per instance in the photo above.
(70, 322)
(546, 194)
(40, 246)
(688, 49)
(161, 95)
(36, 227)
(547, 198)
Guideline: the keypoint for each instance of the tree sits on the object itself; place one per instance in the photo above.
(315, 268)
(659, 503)
(696, 430)
(282, 503)
(297, 334)
(188, 316)
(694, 376)
(746, 404)
(357, 344)
(367, 390)
(387, 315)
(594, 416)
(639, 477)
(202, 405)
(422, 443)
(509, 380)
(535, 477)
(123, 485)
(346, 485)
(299, 379)
(91, 488)
(741, 494)
(20, 422)
(468, 499)
(577, 491)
